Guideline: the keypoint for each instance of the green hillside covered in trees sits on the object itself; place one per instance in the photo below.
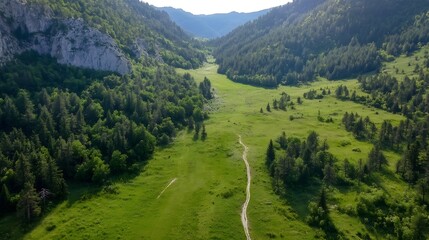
(302, 40)
(61, 123)
(334, 132)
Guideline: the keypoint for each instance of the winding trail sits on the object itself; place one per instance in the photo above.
(244, 220)
(172, 181)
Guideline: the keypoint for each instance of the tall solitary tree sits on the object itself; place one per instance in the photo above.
(271, 155)
(204, 133)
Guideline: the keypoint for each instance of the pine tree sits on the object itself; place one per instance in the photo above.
(204, 133)
(376, 159)
(28, 204)
(313, 141)
(271, 155)
(283, 141)
(359, 129)
(329, 174)
(323, 200)
(191, 124)
(268, 107)
(54, 179)
(26, 109)
(275, 104)
(23, 171)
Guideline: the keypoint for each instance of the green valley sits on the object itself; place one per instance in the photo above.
(309, 122)
(205, 200)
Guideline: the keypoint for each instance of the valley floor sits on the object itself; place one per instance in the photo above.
(205, 200)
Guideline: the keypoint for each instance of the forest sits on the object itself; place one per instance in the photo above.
(330, 39)
(61, 123)
(328, 159)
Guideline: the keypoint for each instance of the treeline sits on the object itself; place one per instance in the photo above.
(286, 68)
(332, 39)
(132, 23)
(50, 134)
(293, 164)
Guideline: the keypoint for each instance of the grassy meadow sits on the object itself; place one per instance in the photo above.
(205, 200)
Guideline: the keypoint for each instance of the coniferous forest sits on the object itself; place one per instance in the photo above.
(62, 123)
(320, 106)
(322, 38)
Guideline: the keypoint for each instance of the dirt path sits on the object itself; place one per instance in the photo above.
(244, 220)
(172, 181)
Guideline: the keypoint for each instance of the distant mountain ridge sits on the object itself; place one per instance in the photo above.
(210, 26)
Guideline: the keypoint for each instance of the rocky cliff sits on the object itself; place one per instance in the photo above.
(25, 26)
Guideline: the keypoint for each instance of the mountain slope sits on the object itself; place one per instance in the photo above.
(330, 38)
(210, 26)
(120, 31)
(87, 91)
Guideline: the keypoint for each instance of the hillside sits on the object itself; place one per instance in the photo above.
(88, 91)
(83, 34)
(114, 125)
(297, 42)
(363, 201)
(210, 26)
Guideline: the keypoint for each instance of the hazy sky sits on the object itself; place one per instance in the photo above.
(218, 6)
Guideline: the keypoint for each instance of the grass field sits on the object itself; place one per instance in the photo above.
(205, 200)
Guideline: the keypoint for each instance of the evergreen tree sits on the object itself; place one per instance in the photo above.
(376, 159)
(282, 140)
(23, 172)
(204, 133)
(28, 205)
(312, 141)
(329, 174)
(205, 88)
(271, 155)
(322, 203)
(275, 104)
(118, 162)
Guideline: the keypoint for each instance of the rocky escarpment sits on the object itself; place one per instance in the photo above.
(25, 26)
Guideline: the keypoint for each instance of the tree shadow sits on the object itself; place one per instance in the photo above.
(300, 196)
(195, 137)
(81, 191)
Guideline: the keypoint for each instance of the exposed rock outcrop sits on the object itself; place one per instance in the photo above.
(25, 26)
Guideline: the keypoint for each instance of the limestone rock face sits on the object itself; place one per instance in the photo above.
(25, 26)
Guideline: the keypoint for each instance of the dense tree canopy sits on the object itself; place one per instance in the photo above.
(297, 42)
(59, 123)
